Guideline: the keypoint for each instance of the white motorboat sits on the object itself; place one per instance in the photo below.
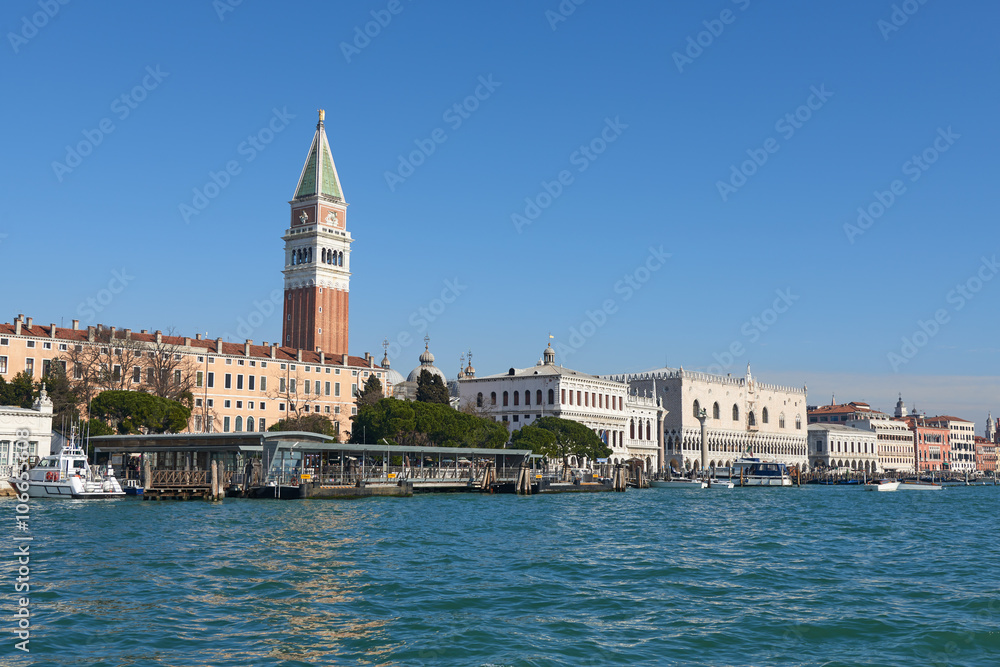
(887, 485)
(752, 471)
(677, 483)
(720, 484)
(914, 485)
(68, 474)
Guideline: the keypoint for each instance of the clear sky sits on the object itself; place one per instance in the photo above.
(737, 137)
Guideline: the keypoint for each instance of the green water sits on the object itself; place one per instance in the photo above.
(811, 576)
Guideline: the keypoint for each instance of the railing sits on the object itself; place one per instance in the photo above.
(7, 471)
(193, 478)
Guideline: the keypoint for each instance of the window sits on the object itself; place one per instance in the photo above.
(197, 403)
(326, 388)
(632, 429)
(354, 410)
(177, 378)
(527, 397)
(336, 389)
(201, 360)
(479, 400)
(260, 425)
(562, 396)
(239, 382)
(763, 416)
(281, 407)
(517, 398)
(552, 396)
(715, 411)
(211, 379)
(227, 403)
(798, 422)
(281, 385)
(326, 409)
(63, 347)
(306, 385)
(336, 409)
(199, 378)
(4, 341)
(46, 346)
(225, 424)
(136, 374)
(3, 364)
(781, 420)
(239, 424)
(736, 413)
(77, 372)
(696, 409)
(578, 397)
(250, 382)
(354, 390)
(211, 402)
(316, 386)
(263, 383)
(31, 343)
(29, 366)
(751, 418)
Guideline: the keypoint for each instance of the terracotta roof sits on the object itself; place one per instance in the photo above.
(946, 418)
(844, 409)
(205, 344)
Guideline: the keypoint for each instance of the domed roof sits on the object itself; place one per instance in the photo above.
(426, 357)
(426, 364)
(394, 377)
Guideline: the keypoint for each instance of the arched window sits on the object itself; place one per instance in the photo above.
(798, 422)
(538, 397)
(715, 411)
(632, 429)
(552, 397)
(493, 398)
(340, 260)
(517, 398)
(763, 416)
(751, 418)
(527, 397)
(649, 432)
(505, 399)
(736, 412)
(239, 424)
(781, 420)
(249, 424)
(479, 400)
(696, 409)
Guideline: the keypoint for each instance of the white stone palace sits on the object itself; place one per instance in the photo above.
(743, 416)
(629, 423)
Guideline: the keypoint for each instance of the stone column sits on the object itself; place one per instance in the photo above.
(703, 418)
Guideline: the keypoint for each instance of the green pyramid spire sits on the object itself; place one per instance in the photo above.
(319, 175)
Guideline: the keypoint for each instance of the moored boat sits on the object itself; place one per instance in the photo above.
(68, 474)
(752, 471)
(677, 483)
(918, 485)
(886, 485)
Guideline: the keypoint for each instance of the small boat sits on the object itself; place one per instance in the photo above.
(678, 483)
(720, 484)
(752, 471)
(918, 485)
(68, 474)
(886, 485)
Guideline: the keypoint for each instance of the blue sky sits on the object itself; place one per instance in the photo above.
(674, 127)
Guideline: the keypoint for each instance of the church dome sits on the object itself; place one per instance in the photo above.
(426, 364)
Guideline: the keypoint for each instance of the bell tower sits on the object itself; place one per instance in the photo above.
(317, 256)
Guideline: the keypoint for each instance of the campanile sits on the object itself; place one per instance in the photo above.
(317, 256)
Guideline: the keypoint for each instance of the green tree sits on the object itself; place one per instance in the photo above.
(309, 423)
(19, 392)
(64, 399)
(570, 438)
(135, 412)
(416, 423)
(430, 388)
(538, 440)
(372, 393)
(388, 418)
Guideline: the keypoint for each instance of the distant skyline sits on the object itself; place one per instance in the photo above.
(807, 188)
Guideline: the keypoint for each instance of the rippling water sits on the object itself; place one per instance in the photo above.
(811, 576)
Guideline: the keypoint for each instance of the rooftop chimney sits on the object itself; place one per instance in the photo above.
(218, 345)
(90, 333)
(128, 334)
(322, 357)
(246, 347)
(144, 331)
(17, 327)
(159, 336)
(52, 330)
(197, 336)
(187, 341)
(343, 359)
(30, 319)
(76, 325)
(274, 350)
(298, 354)
(112, 333)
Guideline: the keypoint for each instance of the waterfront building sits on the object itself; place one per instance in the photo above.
(961, 436)
(846, 412)
(895, 439)
(629, 423)
(986, 455)
(931, 444)
(237, 387)
(833, 446)
(743, 416)
(36, 421)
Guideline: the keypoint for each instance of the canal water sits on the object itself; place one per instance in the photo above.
(810, 576)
